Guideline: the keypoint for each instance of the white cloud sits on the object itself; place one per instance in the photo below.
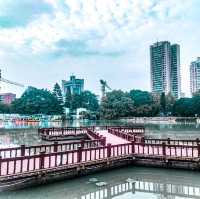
(112, 21)
(107, 27)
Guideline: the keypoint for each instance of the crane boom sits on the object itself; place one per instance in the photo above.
(11, 82)
(104, 85)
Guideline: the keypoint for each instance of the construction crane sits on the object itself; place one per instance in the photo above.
(104, 85)
(9, 82)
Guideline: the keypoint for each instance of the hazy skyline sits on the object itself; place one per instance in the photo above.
(45, 41)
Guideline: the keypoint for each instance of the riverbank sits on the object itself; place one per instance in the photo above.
(162, 120)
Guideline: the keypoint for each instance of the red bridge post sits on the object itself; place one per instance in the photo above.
(0, 165)
(164, 149)
(197, 140)
(23, 150)
(142, 140)
(41, 160)
(133, 146)
(198, 148)
(104, 141)
(79, 154)
(109, 150)
(55, 147)
(82, 143)
(168, 141)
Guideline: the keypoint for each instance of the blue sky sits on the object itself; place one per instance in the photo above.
(45, 41)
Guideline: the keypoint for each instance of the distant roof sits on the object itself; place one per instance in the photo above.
(2, 94)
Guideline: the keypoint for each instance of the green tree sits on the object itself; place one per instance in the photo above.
(4, 108)
(163, 103)
(57, 92)
(116, 104)
(37, 101)
(89, 101)
(170, 101)
(68, 99)
(86, 100)
(147, 110)
(184, 107)
(196, 104)
(141, 97)
(76, 101)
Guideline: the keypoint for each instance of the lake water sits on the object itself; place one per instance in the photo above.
(125, 183)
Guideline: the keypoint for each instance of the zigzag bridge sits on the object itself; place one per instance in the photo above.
(96, 149)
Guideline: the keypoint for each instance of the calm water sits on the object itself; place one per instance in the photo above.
(27, 133)
(126, 183)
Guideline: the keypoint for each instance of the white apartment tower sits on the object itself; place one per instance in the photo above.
(195, 76)
(165, 68)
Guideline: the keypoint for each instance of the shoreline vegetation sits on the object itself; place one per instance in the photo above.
(115, 105)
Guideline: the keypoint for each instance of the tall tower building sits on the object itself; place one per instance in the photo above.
(165, 68)
(195, 76)
(175, 76)
(73, 86)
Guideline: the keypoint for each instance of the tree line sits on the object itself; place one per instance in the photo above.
(116, 104)
(42, 101)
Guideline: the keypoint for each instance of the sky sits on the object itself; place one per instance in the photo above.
(45, 41)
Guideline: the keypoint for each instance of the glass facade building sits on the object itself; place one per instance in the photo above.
(165, 68)
(195, 76)
(73, 86)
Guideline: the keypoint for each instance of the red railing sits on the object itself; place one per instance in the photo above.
(128, 137)
(93, 135)
(131, 130)
(74, 131)
(178, 151)
(20, 160)
(20, 165)
(53, 134)
(139, 138)
(48, 148)
(31, 163)
(173, 141)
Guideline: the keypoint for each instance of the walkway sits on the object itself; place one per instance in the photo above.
(26, 160)
(112, 139)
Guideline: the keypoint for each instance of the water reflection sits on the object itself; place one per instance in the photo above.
(132, 182)
(27, 133)
(46, 123)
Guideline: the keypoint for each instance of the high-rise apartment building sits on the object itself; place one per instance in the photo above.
(165, 68)
(175, 76)
(195, 76)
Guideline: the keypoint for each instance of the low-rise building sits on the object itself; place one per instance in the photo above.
(7, 98)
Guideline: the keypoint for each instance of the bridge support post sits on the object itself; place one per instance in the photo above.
(41, 160)
(23, 150)
(197, 140)
(82, 143)
(109, 150)
(164, 149)
(198, 149)
(168, 141)
(79, 154)
(133, 146)
(142, 140)
(104, 141)
(55, 147)
(134, 138)
(0, 165)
